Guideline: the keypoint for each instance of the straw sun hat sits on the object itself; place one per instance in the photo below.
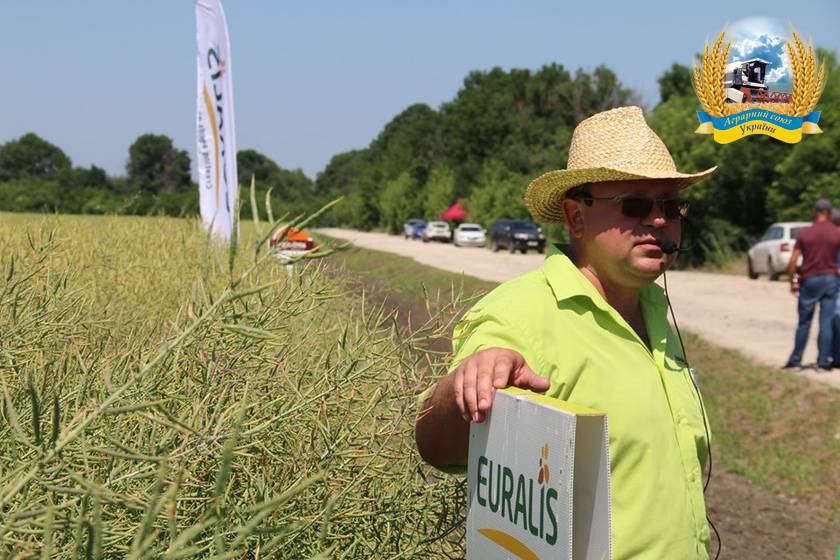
(616, 145)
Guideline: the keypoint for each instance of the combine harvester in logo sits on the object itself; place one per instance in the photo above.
(745, 83)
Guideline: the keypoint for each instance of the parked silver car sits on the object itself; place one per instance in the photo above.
(438, 231)
(771, 254)
(469, 234)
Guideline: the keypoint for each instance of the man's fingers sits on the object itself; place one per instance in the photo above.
(502, 371)
(470, 397)
(484, 384)
(526, 378)
(458, 389)
(477, 378)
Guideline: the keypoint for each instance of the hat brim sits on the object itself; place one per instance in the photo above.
(544, 196)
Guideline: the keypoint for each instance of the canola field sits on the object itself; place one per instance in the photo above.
(162, 397)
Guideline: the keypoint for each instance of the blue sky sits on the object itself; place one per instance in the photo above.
(316, 78)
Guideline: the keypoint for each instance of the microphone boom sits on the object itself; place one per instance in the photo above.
(669, 247)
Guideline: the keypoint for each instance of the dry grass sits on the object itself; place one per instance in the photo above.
(165, 398)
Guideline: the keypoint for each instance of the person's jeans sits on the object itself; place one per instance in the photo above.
(835, 332)
(816, 289)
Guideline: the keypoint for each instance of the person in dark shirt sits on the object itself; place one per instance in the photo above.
(835, 327)
(816, 282)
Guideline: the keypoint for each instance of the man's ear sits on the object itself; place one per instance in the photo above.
(573, 211)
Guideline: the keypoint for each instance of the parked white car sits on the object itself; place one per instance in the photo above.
(438, 231)
(771, 255)
(469, 234)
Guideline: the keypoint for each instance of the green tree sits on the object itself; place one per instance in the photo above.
(291, 190)
(395, 202)
(155, 166)
(31, 156)
(811, 169)
(411, 142)
(341, 174)
(497, 194)
(439, 193)
(522, 119)
(675, 81)
(252, 162)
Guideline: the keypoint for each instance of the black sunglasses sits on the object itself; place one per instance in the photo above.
(639, 207)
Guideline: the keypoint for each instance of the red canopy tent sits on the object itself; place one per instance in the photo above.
(455, 213)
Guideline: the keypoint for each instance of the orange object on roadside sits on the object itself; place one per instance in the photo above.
(296, 234)
(294, 239)
(293, 234)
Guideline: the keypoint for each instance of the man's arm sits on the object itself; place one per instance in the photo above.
(794, 278)
(466, 394)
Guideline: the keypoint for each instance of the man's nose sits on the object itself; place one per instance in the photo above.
(656, 216)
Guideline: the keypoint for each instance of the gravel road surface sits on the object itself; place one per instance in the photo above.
(756, 317)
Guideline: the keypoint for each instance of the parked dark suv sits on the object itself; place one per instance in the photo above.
(517, 235)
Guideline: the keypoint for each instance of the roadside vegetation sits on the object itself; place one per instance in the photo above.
(161, 398)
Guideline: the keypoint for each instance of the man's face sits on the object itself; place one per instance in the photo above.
(627, 250)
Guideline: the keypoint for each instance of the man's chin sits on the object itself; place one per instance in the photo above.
(650, 267)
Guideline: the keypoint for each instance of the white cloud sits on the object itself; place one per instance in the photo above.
(780, 73)
(775, 40)
(774, 75)
(744, 48)
(754, 27)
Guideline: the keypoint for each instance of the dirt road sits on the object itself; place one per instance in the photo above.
(756, 317)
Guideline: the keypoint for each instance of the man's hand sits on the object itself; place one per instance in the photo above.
(792, 274)
(477, 378)
(466, 394)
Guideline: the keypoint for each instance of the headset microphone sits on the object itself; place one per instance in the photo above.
(669, 247)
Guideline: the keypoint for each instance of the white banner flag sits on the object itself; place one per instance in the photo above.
(216, 151)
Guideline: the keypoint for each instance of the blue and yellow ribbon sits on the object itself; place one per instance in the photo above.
(730, 128)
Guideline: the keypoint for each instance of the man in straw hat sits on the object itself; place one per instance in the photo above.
(590, 327)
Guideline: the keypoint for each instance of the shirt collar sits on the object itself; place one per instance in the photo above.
(567, 281)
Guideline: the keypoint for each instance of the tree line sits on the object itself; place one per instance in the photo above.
(501, 129)
(37, 176)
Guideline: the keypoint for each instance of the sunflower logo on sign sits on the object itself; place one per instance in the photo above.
(766, 88)
(542, 477)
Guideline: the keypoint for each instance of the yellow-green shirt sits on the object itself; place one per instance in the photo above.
(570, 335)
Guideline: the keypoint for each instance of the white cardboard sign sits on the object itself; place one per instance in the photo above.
(538, 481)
